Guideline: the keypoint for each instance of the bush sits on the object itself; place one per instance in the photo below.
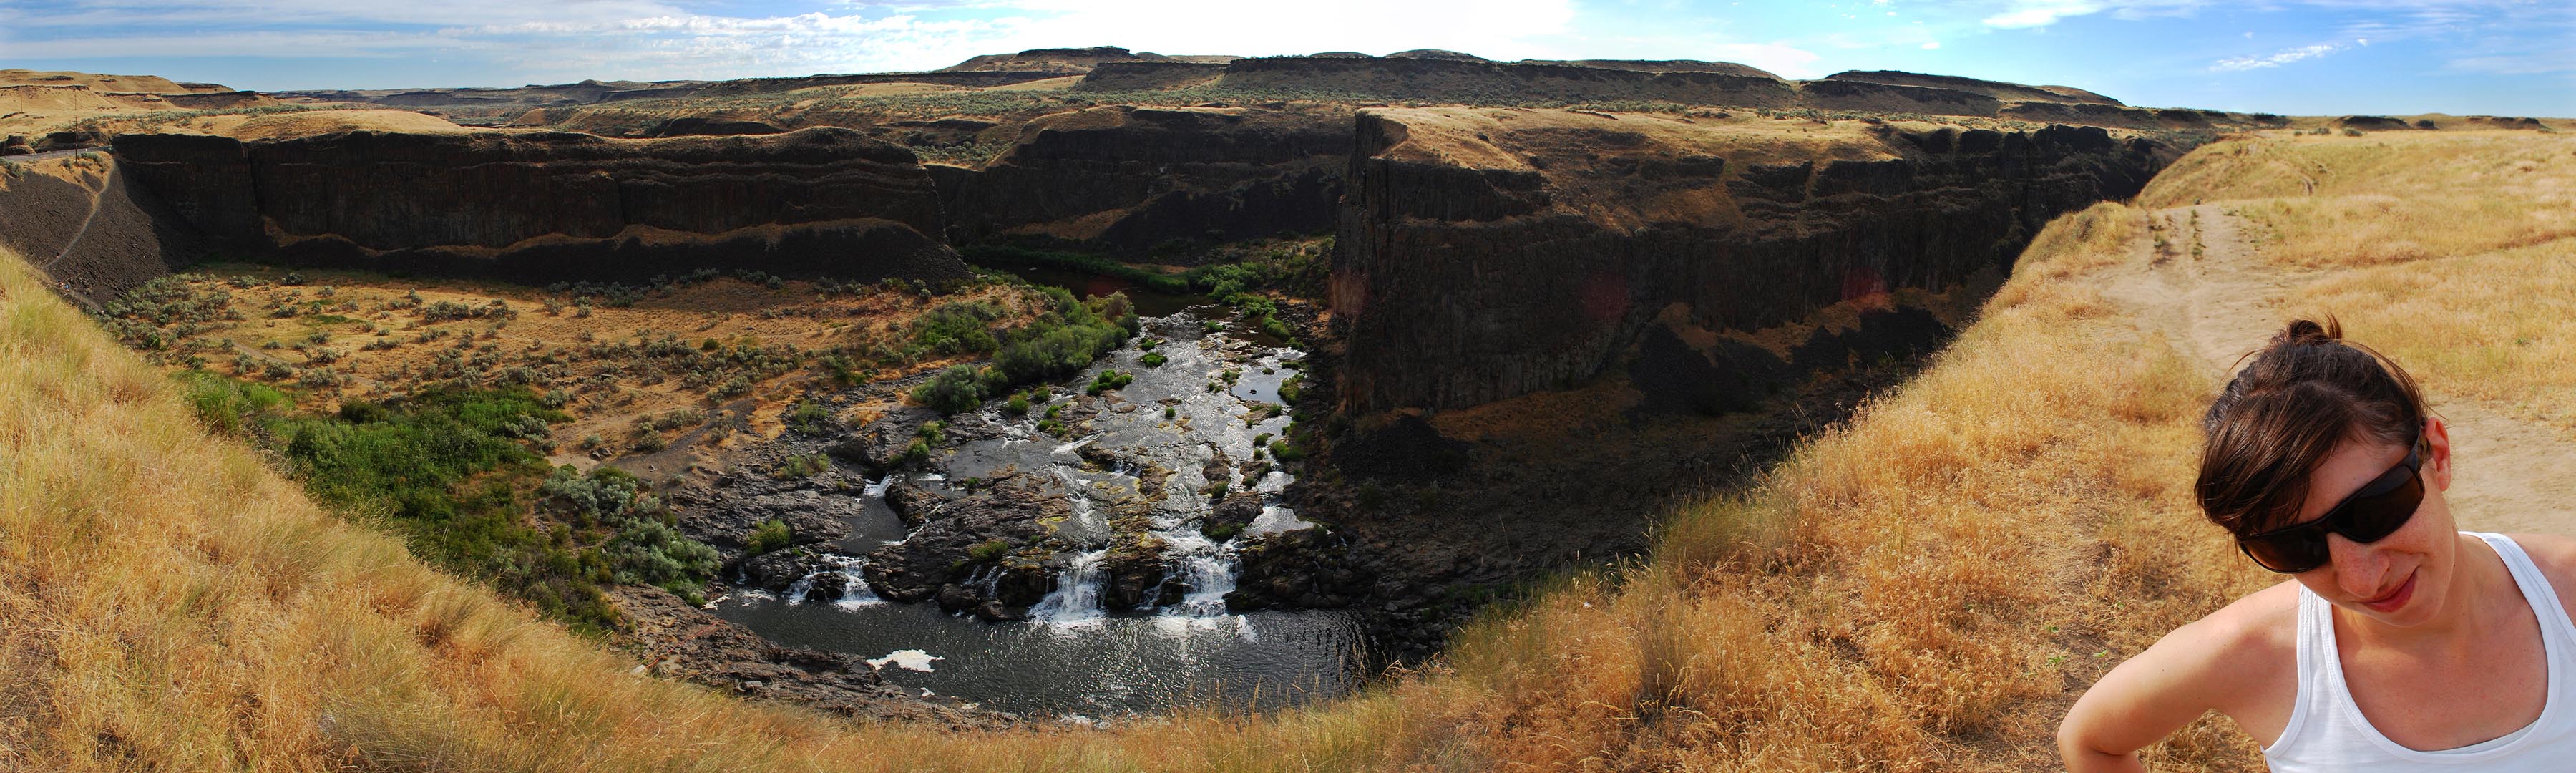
(961, 327)
(951, 390)
(1110, 379)
(801, 466)
(233, 407)
(809, 417)
(1153, 359)
(989, 550)
(1018, 406)
(731, 388)
(770, 535)
(650, 552)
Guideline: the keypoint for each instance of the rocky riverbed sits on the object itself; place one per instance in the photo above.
(1107, 551)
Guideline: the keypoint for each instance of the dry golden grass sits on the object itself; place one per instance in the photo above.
(2465, 244)
(382, 341)
(1924, 588)
(2387, 197)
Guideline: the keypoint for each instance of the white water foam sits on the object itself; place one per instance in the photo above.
(915, 660)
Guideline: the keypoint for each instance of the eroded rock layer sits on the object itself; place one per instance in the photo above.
(554, 204)
(1488, 253)
(1128, 179)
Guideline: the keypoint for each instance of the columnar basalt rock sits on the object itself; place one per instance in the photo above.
(1127, 179)
(556, 204)
(1485, 254)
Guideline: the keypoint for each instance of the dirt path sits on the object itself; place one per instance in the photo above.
(2206, 290)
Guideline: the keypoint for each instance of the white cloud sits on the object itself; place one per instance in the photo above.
(2242, 63)
(1931, 45)
(2041, 13)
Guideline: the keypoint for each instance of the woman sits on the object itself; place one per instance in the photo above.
(2399, 643)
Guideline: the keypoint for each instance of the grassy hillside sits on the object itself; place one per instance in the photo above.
(1924, 588)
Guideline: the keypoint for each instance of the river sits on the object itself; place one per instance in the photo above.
(1206, 407)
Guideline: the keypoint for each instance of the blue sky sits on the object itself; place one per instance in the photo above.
(2505, 57)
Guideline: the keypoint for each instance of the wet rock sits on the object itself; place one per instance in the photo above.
(828, 587)
(879, 445)
(723, 513)
(775, 570)
(912, 502)
(1022, 583)
(1230, 516)
(1139, 575)
(956, 556)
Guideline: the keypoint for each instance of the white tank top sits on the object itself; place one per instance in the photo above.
(2328, 733)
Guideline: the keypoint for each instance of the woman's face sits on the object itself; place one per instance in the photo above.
(2401, 579)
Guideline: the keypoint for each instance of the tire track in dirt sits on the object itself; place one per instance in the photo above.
(2209, 293)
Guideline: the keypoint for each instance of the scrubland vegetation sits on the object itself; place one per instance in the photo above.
(1064, 338)
(1922, 588)
(622, 362)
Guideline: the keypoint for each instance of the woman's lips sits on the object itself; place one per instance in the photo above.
(2395, 599)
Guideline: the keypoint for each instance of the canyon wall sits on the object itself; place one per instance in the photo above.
(83, 223)
(554, 205)
(1130, 179)
(1489, 253)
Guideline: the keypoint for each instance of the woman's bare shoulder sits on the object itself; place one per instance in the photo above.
(2556, 557)
(2264, 622)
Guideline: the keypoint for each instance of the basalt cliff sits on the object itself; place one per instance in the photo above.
(554, 205)
(1485, 254)
(1129, 179)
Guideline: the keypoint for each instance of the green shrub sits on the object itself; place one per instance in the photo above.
(809, 417)
(958, 327)
(1153, 359)
(951, 390)
(731, 388)
(989, 550)
(233, 407)
(801, 466)
(1018, 406)
(770, 535)
(1286, 452)
(1110, 379)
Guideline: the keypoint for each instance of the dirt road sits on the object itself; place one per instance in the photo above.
(2203, 286)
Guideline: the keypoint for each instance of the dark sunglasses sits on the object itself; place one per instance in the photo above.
(2378, 509)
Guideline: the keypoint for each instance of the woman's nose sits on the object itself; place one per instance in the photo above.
(2358, 569)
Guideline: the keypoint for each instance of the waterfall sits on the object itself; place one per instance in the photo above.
(796, 590)
(1076, 598)
(1206, 570)
(855, 592)
(877, 488)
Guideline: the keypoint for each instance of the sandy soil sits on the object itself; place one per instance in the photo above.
(2223, 302)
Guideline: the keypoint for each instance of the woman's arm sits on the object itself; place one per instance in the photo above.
(2218, 663)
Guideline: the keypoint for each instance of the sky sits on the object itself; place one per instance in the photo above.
(2301, 57)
